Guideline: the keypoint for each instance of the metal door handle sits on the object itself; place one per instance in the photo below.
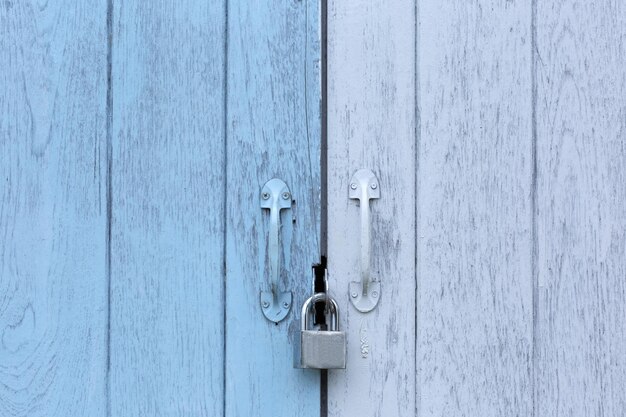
(365, 294)
(275, 196)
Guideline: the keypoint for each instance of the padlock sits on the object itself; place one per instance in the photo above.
(321, 349)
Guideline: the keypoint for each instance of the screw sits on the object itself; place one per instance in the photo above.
(265, 195)
(354, 295)
(266, 304)
(374, 294)
(286, 304)
(353, 186)
(286, 196)
(374, 186)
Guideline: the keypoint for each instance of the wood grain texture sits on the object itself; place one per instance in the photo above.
(272, 131)
(581, 208)
(475, 308)
(371, 124)
(53, 305)
(167, 232)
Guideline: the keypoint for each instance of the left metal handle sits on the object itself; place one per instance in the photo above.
(275, 196)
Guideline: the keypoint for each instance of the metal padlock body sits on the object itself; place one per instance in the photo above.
(322, 349)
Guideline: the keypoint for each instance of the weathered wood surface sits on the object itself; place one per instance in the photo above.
(372, 124)
(273, 122)
(581, 208)
(497, 133)
(53, 282)
(167, 231)
(474, 193)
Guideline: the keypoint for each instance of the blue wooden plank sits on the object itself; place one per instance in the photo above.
(168, 218)
(53, 281)
(273, 130)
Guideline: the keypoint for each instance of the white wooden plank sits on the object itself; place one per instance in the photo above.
(273, 126)
(581, 208)
(53, 278)
(475, 209)
(167, 232)
(371, 124)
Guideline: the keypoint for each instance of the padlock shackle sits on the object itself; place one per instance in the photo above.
(320, 296)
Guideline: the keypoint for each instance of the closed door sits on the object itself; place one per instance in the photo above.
(135, 140)
(499, 238)
(137, 241)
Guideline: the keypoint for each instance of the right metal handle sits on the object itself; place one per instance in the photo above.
(365, 294)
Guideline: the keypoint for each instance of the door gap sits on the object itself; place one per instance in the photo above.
(320, 269)
(319, 285)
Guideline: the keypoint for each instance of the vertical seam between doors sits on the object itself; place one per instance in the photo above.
(324, 128)
(323, 27)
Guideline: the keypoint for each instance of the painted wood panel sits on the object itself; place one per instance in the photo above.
(475, 307)
(167, 231)
(273, 124)
(53, 281)
(372, 124)
(581, 208)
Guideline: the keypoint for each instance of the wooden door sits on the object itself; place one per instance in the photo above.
(497, 132)
(134, 140)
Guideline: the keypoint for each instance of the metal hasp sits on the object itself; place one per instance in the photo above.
(365, 294)
(275, 196)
